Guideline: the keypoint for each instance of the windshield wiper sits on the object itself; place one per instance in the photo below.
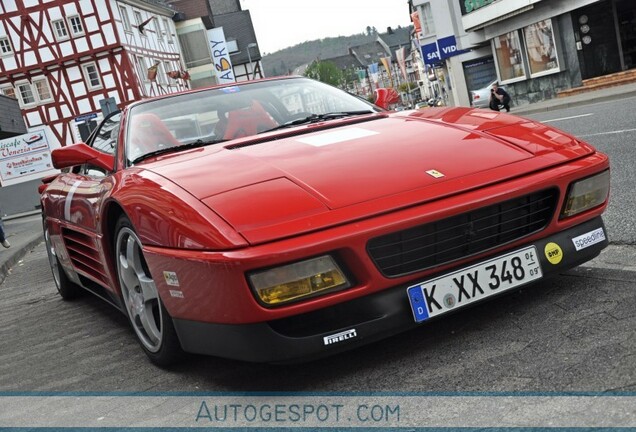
(315, 118)
(191, 145)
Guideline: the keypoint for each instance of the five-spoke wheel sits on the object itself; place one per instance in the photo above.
(149, 318)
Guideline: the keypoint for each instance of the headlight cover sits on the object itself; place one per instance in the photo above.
(586, 194)
(299, 280)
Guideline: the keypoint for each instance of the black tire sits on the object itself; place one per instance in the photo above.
(67, 289)
(151, 322)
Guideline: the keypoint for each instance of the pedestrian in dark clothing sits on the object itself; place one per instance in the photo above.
(3, 239)
(499, 96)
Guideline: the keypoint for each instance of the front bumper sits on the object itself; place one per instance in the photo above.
(359, 321)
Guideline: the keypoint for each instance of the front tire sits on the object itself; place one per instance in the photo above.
(148, 316)
(67, 289)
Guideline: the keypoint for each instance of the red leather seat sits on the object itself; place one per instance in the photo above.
(248, 121)
(148, 133)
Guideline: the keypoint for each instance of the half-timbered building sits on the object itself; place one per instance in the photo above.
(68, 62)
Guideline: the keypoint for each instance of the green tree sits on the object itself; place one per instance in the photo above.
(325, 71)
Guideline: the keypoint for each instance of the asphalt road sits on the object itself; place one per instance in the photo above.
(611, 128)
(574, 332)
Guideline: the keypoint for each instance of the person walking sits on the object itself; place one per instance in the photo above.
(499, 96)
(3, 239)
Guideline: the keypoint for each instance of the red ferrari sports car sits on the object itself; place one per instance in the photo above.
(283, 219)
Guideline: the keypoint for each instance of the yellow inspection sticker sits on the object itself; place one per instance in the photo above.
(553, 253)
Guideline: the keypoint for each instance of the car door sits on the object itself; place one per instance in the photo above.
(85, 189)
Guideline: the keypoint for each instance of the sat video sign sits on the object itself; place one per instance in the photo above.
(25, 157)
(430, 54)
(441, 49)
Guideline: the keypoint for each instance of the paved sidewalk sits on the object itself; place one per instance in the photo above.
(602, 95)
(24, 233)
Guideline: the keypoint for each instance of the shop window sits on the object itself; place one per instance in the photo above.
(5, 46)
(541, 48)
(510, 61)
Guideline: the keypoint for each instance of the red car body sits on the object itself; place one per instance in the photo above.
(207, 217)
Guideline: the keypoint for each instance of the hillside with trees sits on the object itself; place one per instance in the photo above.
(284, 62)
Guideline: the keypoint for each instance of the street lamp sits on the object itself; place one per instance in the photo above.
(249, 57)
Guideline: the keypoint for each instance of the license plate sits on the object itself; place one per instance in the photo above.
(471, 284)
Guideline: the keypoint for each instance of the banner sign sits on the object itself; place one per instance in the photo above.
(221, 56)
(400, 55)
(374, 71)
(430, 53)
(448, 47)
(25, 157)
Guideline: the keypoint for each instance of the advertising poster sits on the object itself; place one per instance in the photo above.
(25, 157)
(221, 56)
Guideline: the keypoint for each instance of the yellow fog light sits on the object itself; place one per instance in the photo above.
(586, 194)
(295, 281)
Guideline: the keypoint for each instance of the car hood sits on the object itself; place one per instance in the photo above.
(274, 185)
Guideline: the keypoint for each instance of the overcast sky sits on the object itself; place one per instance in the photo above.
(283, 23)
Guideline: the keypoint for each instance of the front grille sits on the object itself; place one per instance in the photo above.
(461, 236)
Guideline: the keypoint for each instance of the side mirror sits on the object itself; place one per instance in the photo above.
(79, 154)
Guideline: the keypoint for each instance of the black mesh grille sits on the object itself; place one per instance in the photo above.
(461, 236)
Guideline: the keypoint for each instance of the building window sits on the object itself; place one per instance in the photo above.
(510, 62)
(59, 29)
(426, 19)
(156, 27)
(138, 19)
(8, 91)
(541, 48)
(125, 20)
(42, 89)
(166, 29)
(5, 46)
(91, 76)
(142, 70)
(26, 94)
(195, 50)
(75, 23)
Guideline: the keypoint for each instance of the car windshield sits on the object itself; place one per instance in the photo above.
(219, 114)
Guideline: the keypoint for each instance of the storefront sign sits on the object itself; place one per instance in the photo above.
(25, 157)
(467, 6)
(430, 54)
(448, 47)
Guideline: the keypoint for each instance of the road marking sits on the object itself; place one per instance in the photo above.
(567, 118)
(607, 133)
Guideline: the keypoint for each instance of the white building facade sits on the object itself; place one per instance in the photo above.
(68, 62)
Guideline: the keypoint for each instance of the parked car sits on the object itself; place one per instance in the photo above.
(283, 219)
(481, 98)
